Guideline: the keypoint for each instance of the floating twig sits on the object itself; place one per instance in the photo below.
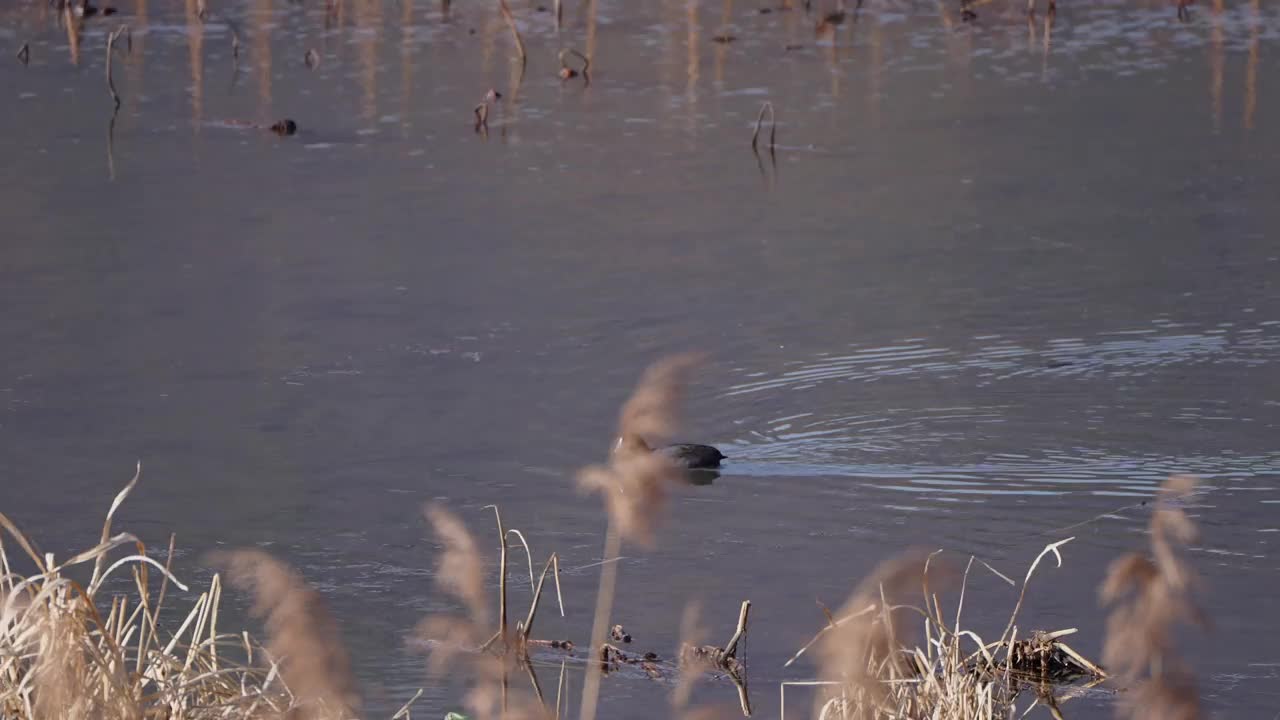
(773, 126)
(515, 32)
(24, 54)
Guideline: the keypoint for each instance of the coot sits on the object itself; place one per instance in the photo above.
(686, 455)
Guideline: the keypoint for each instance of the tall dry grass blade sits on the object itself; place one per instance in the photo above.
(302, 635)
(128, 488)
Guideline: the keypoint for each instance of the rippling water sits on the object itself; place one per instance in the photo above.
(996, 281)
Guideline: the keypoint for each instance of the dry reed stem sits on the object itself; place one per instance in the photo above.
(635, 484)
(600, 622)
(302, 636)
(515, 32)
(559, 10)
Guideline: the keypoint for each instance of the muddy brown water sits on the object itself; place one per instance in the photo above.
(994, 282)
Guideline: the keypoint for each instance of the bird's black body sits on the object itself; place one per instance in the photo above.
(693, 457)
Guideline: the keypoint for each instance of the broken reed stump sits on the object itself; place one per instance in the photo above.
(773, 126)
(722, 658)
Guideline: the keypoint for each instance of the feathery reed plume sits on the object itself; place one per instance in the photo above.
(461, 574)
(302, 636)
(1149, 596)
(60, 669)
(635, 485)
(653, 410)
(692, 634)
(461, 571)
(857, 655)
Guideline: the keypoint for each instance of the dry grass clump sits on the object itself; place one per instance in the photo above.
(72, 650)
(1149, 596)
(69, 651)
(873, 668)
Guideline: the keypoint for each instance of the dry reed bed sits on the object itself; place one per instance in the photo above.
(69, 651)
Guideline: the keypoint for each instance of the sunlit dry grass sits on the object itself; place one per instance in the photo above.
(68, 650)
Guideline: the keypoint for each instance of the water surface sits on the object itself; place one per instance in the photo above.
(997, 280)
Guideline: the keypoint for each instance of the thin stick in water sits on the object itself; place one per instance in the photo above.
(24, 54)
(111, 42)
(559, 14)
(773, 126)
(515, 32)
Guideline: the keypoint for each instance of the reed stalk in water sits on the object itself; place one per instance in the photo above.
(634, 485)
(111, 43)
(773, 126)
(515, 32)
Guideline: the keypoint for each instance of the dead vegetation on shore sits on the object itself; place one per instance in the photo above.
(894, 650)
